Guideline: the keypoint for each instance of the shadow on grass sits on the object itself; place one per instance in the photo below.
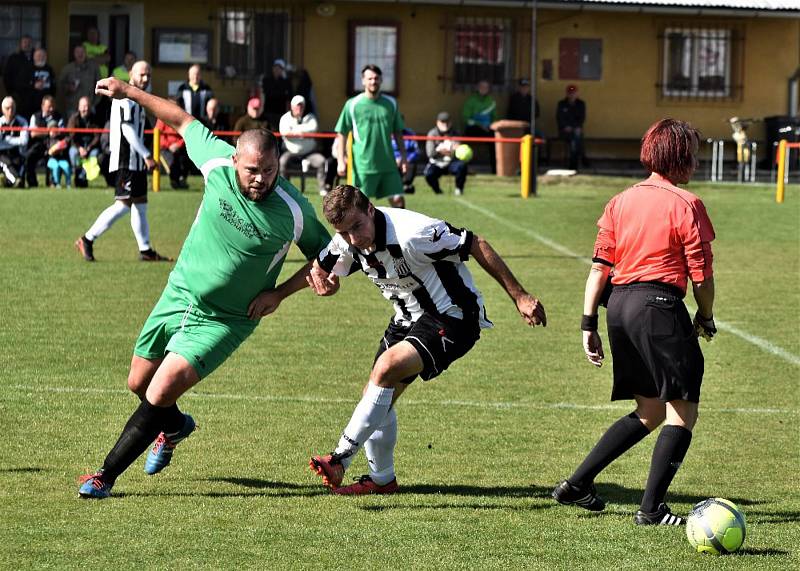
(281, 490)
(23, 470)
(531, 491)
(752, 552)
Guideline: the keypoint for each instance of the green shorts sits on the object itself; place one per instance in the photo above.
(176, 326)
(380, 184)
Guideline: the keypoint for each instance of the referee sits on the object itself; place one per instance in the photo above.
(656, 237)
(131, 160)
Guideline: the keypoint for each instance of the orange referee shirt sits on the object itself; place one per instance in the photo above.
(655, 231)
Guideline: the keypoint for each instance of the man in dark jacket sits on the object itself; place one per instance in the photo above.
(194, 94)
(17, 76)
(570, 115)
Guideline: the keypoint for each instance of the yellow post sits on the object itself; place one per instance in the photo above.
(781, 170)
(157, 159)
(525, 165)
(349, 153)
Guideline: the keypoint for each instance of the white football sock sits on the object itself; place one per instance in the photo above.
(379, 450)
(141, 229)
(106, 219)
(367, 417)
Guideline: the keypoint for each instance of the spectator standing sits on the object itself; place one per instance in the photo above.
(38, 147)
(123, 71)
(173, 149)
(297, 122)
(96, 51)
(193, 95)
(83, 145)
(412, 156)
(480, 111)
(305, 87)
(441, 156)
(77, 79)
(12, 143)
(130, 160)
(276, 90)
(17, 76)
(570, 116)
(43, 78)
(374, 119)
(252, 119)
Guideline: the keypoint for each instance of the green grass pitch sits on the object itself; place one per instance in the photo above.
(480, 448)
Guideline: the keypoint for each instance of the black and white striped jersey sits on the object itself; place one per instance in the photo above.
(418, 264)
(124, 154)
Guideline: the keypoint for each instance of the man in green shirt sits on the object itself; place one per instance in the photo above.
(373, 118)
(221, 286)
(479, 112)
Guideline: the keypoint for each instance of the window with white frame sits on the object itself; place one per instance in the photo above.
(374, 44)
(698, 62)
(482, 50)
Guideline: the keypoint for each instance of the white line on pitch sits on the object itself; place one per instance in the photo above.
(406, 402)
(759, 342)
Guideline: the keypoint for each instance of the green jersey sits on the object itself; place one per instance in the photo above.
(236, 247)
(373, 123)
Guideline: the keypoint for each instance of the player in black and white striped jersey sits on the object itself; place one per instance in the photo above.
(131, 160)
(418, 263)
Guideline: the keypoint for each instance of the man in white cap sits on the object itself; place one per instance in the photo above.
(276, 90)
(303, 149)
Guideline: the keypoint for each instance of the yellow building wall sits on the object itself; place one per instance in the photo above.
(623, 103)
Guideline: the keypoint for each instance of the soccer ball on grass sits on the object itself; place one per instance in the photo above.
(716, 526)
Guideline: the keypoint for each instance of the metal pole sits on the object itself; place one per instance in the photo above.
(720, 160)
(753, 152)
(533, 146)
(713, 160)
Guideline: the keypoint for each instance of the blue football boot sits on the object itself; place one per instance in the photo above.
(93, 487)
(161, 455)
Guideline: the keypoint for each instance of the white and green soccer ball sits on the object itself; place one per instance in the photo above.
(716, 526)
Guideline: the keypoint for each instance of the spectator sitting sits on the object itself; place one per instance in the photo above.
(37, 144)
(519, 104)
(43, 78)
(276, 89)
(83, 145)
(123, 72)
(215, 119)
(12, 143)
(294, 122)
(78, 79)
(97, 52)
(194, 94)
(441, 159)
(570, 115)
(480, 111)
(17, 76)
(173, 150)
(58, 155)
(252, 119)
(412, 156)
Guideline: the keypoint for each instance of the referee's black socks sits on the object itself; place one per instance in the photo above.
(618, 439)
(141, 429)
(670, 450)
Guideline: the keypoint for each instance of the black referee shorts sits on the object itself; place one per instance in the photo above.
(130, 184)
(440, 340)
(653, 343)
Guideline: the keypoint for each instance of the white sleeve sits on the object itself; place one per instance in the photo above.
(336, 257)
(439, 241)
(130, 135)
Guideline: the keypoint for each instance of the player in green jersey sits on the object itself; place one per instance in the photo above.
(374, 119)
(223, 282)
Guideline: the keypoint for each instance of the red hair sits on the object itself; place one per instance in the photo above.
(669, 148)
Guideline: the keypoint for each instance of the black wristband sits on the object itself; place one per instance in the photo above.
(589, 323)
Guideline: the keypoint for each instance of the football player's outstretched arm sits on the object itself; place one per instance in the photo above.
(163, 109)
(530, 308)
(268, 301)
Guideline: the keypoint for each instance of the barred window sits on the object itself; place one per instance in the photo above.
(251, 40)
(16, 20)
(700, 63)
(374, 44)
(482, 50)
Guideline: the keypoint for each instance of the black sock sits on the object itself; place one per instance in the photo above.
(141, 429)
(670, 450)
(173, 420)
(618, 439)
